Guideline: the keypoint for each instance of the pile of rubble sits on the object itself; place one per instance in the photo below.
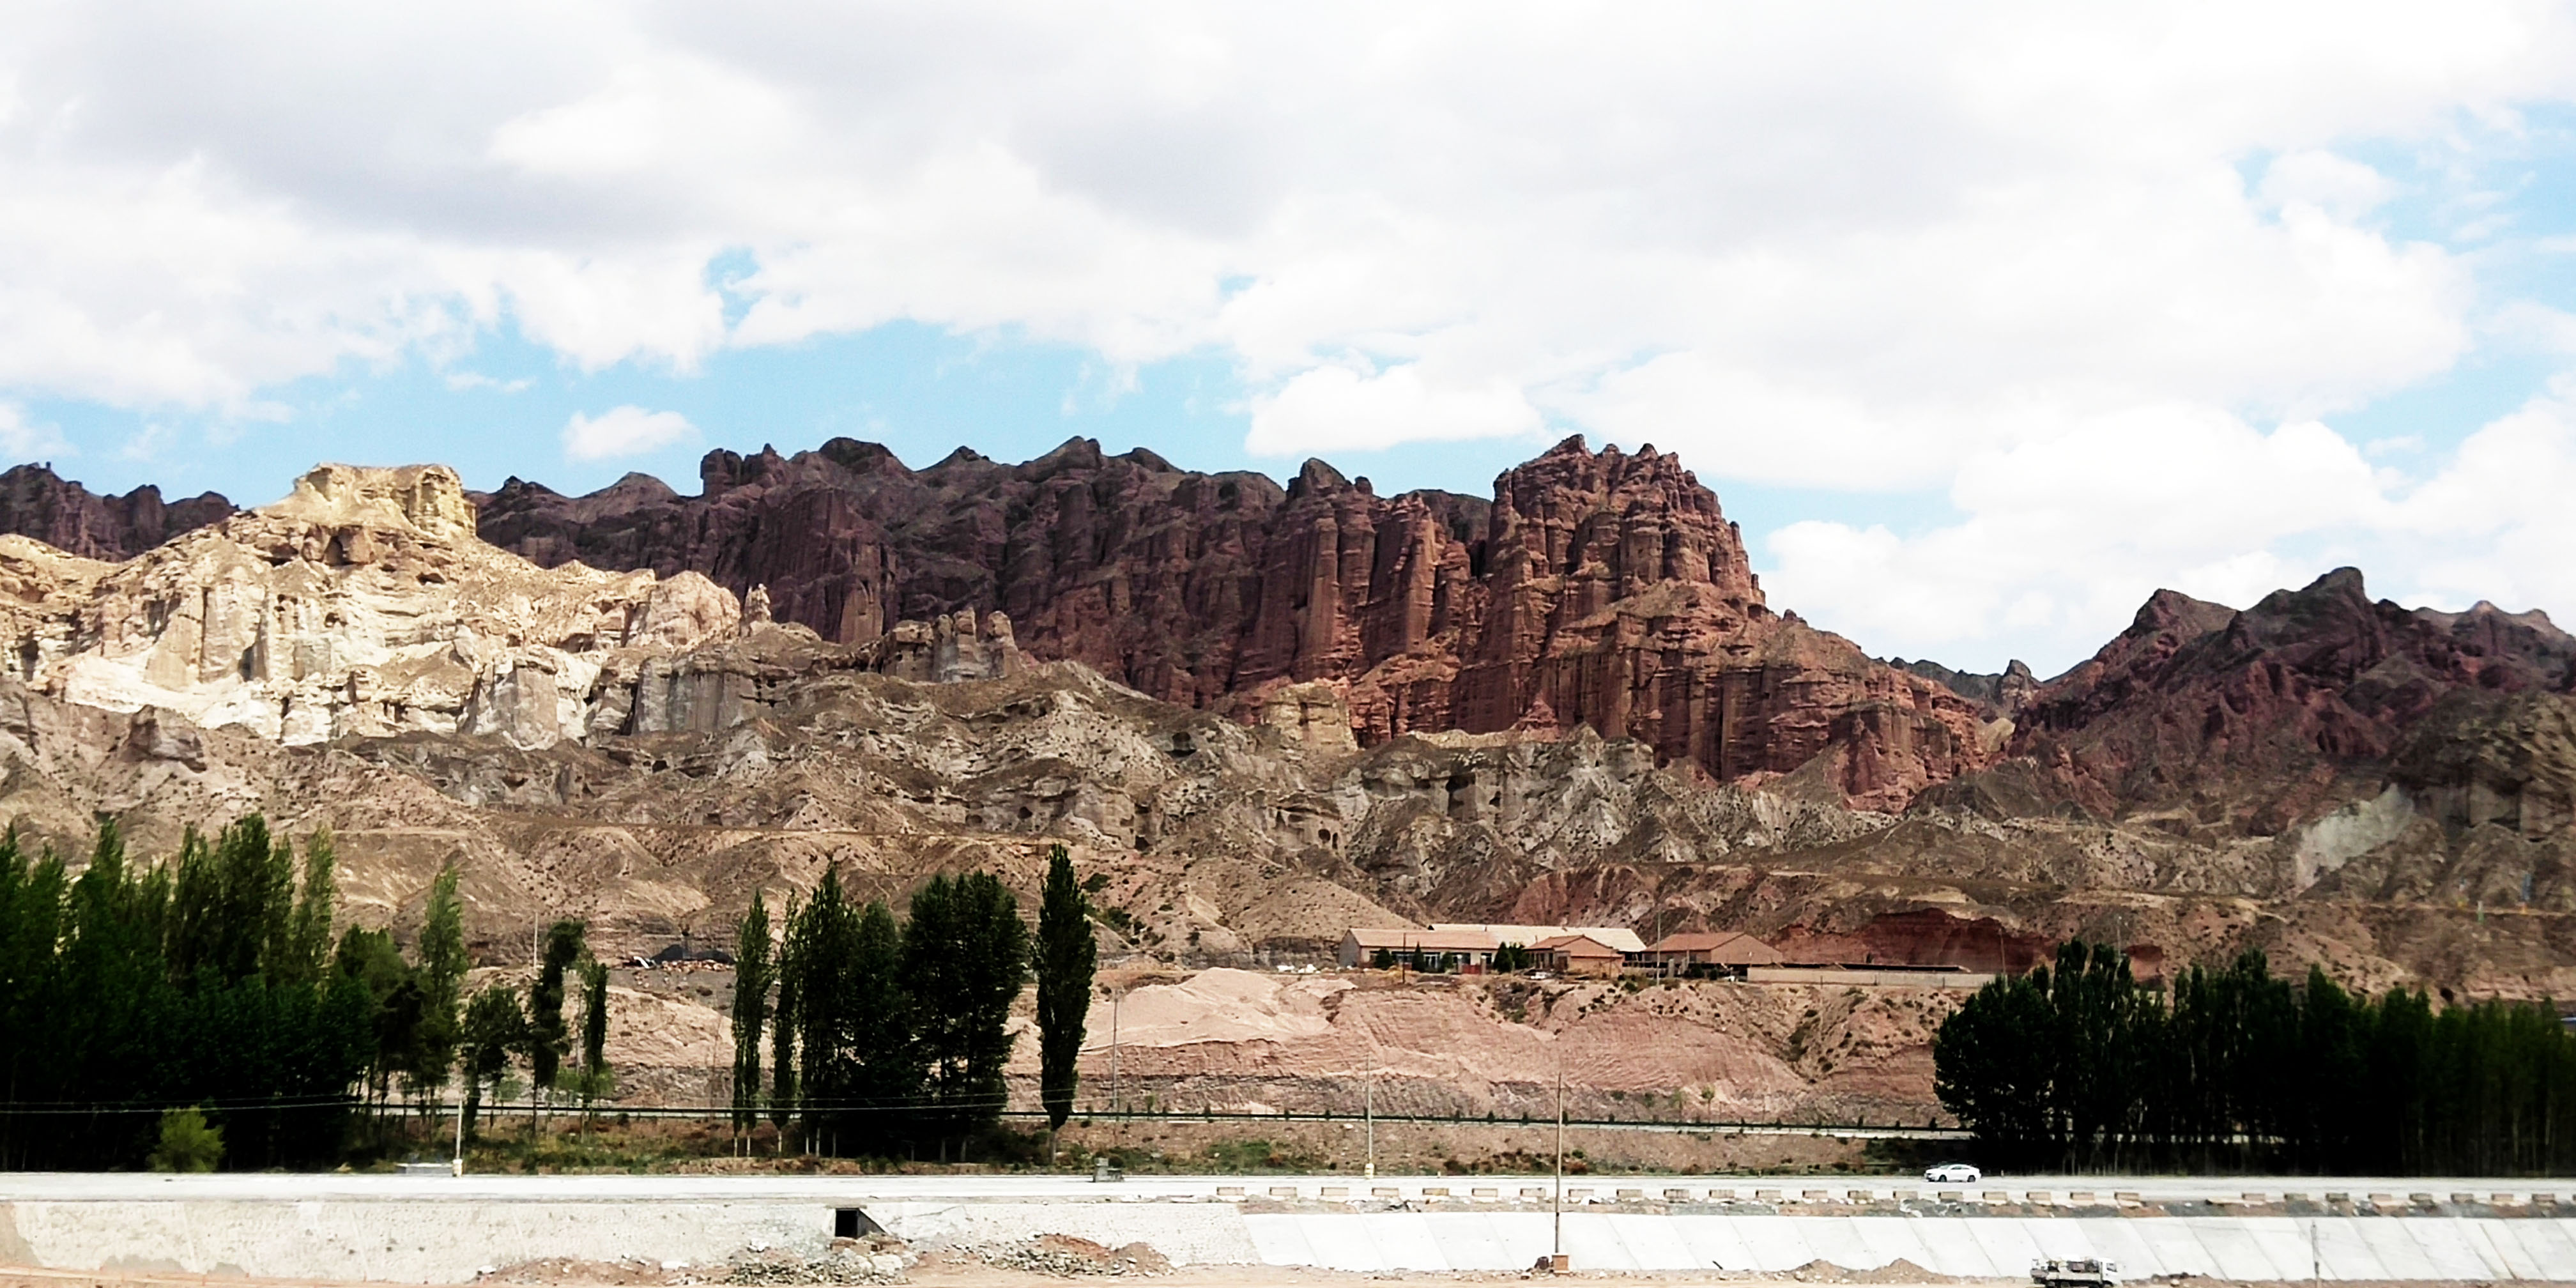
(1064, 1256)
(876, 1259)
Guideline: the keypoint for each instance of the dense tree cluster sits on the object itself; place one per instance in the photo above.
(167, 1014)
(886, 1038)
(206, 980)
(2083, 1067)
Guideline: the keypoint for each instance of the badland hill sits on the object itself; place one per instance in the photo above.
(1263, 715)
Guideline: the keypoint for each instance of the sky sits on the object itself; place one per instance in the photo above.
(1984, 320)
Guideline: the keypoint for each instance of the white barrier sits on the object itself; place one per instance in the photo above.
(429, 1240)
(2240, 1248)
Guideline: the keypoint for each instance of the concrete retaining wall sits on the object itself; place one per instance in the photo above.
(402, 1241)
(428, 1240)
(2246, 1248)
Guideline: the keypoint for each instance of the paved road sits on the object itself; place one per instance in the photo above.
(128, 1187)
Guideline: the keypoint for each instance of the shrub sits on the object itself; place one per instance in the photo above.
(187, 1143)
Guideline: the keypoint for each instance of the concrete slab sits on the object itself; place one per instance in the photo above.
(2117, 1239)
(2057, 1237)
(1713, 1242)
(2344, 1254)
(1891, 1238)
(2395, 1248)
(2234, 1250)
(1404, 1240)
(1594, 1243)
(1955, 1251)
(1471, 1241)
(2285, 1241)
(2551, 1243)
(2449, 1248)
(1832, 1238)
(2173, 1248)
(1279, 1239)
(2007, 1245)
(2494, 1240)
(1774, 1241)
(1652, 1242)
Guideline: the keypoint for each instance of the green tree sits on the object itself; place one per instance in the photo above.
(885, 1072)
(308, 940)
(1067, 955)
(782, 1032)
(1511, 959)
(393, 992)
(548, 1042)
(595, 1081)
(187, 1144)
(965, 954)
(494, 1029)
(751, 981)
(443, 963)
(1991, 1069)
(822, 940)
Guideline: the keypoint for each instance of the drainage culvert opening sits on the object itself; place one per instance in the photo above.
(852, 1223)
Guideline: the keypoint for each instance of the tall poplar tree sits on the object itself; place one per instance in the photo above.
(443, 963)
(751, 979)
(494, 1028)
(782, 1032)
(884, 1057)
(965, 954)
(547, 1040)
(594, 1031)
(1067, 955)
(309, 930)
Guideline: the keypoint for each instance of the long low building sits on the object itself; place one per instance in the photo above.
(1618, 937)
(1450, 949)
(1460, 946)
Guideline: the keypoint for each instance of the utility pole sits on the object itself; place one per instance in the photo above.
(1368, 1112)
(1115, 1106)
(1556, 1259)
(458, 1167)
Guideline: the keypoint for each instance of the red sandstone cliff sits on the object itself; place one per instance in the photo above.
(2251, 721)
(1597, 588)
(35, 502)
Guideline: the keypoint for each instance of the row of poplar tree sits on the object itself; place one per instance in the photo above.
(212, 981)
(2082, 1067)
(889, 1039)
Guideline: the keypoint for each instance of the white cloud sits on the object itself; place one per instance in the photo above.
(624, 431)
(23, 440)
(2057, 262)
(1339, 409)
(2058, 541)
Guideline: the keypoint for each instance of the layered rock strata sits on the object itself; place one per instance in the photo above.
(361, 604)
(1601, 589)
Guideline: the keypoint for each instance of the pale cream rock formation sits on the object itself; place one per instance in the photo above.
(363, 603)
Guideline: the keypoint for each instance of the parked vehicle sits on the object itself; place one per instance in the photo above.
(2076, 1272)
(1953, 1174)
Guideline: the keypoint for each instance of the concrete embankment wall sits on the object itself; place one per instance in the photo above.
(397, 1240)
(429, 1240)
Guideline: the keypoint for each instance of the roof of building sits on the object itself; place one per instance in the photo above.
(1575, 946)
(1408, 938)
(1727, 947)
(1624, 940)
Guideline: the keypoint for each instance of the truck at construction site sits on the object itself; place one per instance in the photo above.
(2075, 1272)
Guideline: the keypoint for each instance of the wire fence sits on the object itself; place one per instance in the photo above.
(1858, 1129)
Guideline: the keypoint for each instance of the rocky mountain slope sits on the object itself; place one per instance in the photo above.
(2382, 790)
(1600, 589)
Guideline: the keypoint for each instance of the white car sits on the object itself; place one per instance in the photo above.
(1953, 1174)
